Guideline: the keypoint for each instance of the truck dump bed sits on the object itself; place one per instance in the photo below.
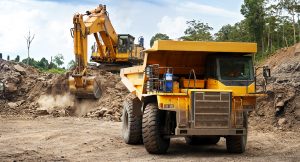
(182, 56)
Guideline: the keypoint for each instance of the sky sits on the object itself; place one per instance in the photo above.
(51, 20)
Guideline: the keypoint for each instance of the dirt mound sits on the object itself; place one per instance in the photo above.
(281, 109)
(23, 86)
(29, 91)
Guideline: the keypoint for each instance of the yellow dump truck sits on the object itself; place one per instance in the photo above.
(198, 90)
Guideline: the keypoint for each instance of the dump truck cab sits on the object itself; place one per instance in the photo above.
(198, 90)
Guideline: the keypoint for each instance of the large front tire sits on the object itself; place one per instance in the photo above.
(132, 124)
(153, 139)
(237, 143)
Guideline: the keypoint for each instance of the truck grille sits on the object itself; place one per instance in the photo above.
(211, 109)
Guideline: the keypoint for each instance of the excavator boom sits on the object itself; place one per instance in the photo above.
(111, 48)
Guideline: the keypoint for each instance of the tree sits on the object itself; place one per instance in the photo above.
(30, 62)
(291, 6)
(71, 64)
(158, 36)
(58, 59)
(197, 31)
(254, 13)
(29, 40)
(238, 32)
(17, 59)
(43, 63)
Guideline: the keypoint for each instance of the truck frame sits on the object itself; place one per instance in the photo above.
(212, 90)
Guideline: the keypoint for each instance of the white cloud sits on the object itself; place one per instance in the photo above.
(206, 9)
(173, 27)
(51, 22)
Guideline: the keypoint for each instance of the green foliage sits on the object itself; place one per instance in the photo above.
(158, 36)
(58, 59)
(197, 31)
(56, 71)
(254, 13)
(45, 66)
(31, 62)
(234, 33)
(43, 63)
(71, 64)
(17, 59)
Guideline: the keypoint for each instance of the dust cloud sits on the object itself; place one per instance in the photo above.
(55, 102)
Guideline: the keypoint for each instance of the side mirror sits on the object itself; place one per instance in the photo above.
(266, 72)
(1, 87)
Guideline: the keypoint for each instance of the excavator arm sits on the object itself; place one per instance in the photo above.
(98, 24)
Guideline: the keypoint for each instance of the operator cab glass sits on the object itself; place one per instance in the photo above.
(236, 68)
(125, 43)
(231, 70)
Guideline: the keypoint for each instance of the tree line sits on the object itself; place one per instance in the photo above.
(54, 65)
(272, 24)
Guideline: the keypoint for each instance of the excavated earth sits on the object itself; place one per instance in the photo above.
(41, 121)
(31, 92)
(280, 109)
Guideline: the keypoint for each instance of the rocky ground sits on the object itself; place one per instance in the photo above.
(281, 108)
(31, 92)
(84, 139)
(40, 121)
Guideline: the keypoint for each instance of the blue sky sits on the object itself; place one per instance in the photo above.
(51, 20)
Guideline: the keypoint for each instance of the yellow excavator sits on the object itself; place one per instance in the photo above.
(110, 48)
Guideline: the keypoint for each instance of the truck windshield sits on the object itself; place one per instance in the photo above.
(236, 68)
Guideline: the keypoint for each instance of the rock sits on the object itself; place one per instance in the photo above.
(62, 112)
(297, 102)
(41, 79)
(5, 67)
(42, 112)
(102, 111)
(297, 114)
(11, 87)
(12, 105)
(280, 104)
(110, 112)
(20, 69)
(282, 121)
(116, 118)
(20, 102)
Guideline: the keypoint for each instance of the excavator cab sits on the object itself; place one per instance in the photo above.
(125, 43)
(125, 47)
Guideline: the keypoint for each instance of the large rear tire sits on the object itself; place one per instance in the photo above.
(237, 143)
(153, 138)
(132, 124)
(198, 140)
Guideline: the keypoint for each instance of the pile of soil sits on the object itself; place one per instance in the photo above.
(110, 104)
(281, 108)
(23, 86)
(31, 92)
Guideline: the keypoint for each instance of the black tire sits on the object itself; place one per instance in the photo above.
(132, 124)
(237, 143)
(152, 125)
(198, 140)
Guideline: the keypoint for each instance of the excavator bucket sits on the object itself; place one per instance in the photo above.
(90, 89)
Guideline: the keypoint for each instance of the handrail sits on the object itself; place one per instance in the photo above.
(192, 70)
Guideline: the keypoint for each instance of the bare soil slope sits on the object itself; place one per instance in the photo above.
(281, 109)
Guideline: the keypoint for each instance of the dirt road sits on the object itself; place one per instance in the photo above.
(81, 139)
